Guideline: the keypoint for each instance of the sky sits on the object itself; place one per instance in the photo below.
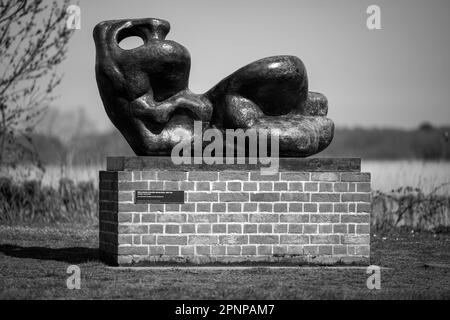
(398, 76)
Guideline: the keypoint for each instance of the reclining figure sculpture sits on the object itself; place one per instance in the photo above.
(145, 93)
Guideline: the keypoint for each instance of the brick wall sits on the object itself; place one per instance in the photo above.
(236, 216)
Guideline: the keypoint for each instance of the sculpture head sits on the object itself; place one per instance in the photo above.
(146, 96)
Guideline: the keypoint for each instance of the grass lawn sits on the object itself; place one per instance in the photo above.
(33, 264)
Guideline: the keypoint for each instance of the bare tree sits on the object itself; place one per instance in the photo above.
(33, 42)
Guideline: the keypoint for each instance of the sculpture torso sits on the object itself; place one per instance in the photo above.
(145, 93)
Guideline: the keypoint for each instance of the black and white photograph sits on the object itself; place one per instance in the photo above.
(224, 159)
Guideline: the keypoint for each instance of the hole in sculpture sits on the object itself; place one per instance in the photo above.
(130, 43)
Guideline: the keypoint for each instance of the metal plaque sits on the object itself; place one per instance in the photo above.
(150, 196)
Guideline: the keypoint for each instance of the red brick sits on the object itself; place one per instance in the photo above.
(234, 186)
(326, 207)
(294, 218)
(187, 207)
(233, 239)
(233, 197)
(202, 217)
(171, 185)
(326, 250)
(172, 228)
(132, 207)
(294, 176)
(156, 228)
(219, 250)
(133, 250)
(248, 250)
(264, 197)
(324, 176)
(265, 207)
(203, 228)
(203, 250)
(219, 207)
(356, 197)
(233, 217)
(148, 239)
(296, 186)
(132, 186)
(257, 176)
(325, 239)
(279, 250)
(355, 239)
(171, 250)
(363, 229)
(265, 228)
(266, 239)
(355, 177)
(264, 218)
(340, 228)
(295, 228)
(219, 228)
(250, 207)
(203, 207)
(250, 228)
(341, 187)
(325, 228)
(148, 217)
(294, 239)
(187, 250)
(203, 176)
(324, 218)
(311, 186)
(125, 239)
(355, 218)
(187, 185)
(295, 196)
(156, 250)
(233, 250)
(172, 239)
(309, 228)
(233, 207)
(124, 176)
(233, 175)
(132, 228)
(283, 186)
(364, 207)
(148, 175)
(125, 196)
(171, 217)
(219, 186)
(250, 186)
(264, 250)
(203, 239)
(202, 196)
(280, 207)
(340, 249)
(124, 217)
(202, 186)
(340, 207)
(172, 175)
(325, 197)
(188, 228)
(234, 228)
(310, 207)
(265, 186)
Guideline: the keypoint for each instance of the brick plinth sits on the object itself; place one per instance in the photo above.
(236, 216)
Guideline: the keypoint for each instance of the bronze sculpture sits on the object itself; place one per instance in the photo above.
(145, 93)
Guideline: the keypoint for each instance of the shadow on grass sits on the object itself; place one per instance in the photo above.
(70, 255)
